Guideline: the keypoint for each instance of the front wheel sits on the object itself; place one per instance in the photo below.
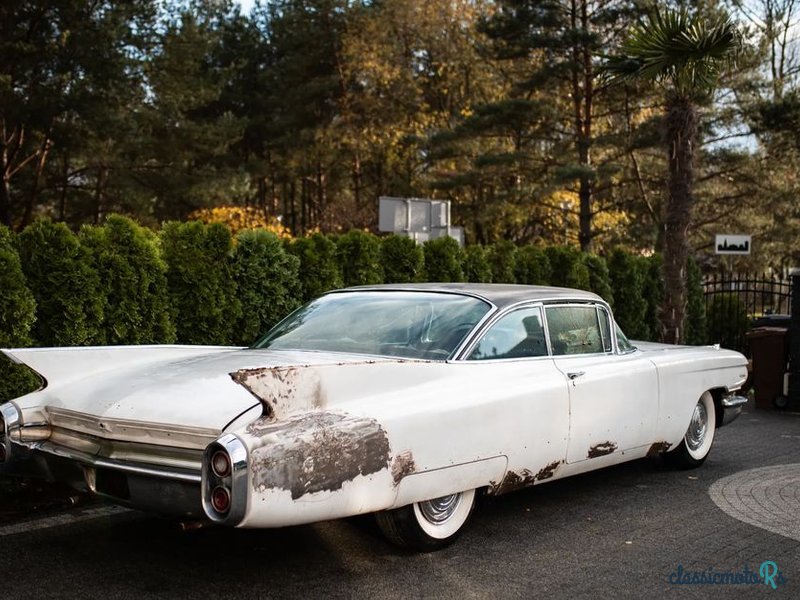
(429, 525)
(696, 444)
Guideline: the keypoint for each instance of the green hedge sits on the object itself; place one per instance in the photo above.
(17, 316)
(402, 259)
(630, 307)
(69, 301)
(502, 259)
(121, 284)
(200, 281)
(132, 283)
(359, 255)
(476, 264)
(444, 260)
(267, 283)
(532, 266)
(319, 265)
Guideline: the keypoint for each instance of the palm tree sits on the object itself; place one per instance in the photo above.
(685, 53)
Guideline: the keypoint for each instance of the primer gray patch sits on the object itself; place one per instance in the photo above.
(766, 497)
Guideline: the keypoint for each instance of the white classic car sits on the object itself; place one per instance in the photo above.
(404, 401)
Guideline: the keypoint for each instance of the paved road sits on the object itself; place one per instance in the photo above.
(621, 532)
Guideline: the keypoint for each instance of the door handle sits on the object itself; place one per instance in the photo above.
(575, 374)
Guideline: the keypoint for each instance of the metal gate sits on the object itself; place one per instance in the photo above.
(734, 300)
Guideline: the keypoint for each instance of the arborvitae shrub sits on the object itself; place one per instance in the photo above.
(17, 316)
(532, 266)
(476, 264)
(567, 268)
(599, 279)
(267, 283)
(402, 259)
(696, 319)
(133, 283)
(69, 301)
(653, 294)
(319, 267)
(627, 281)
(359, 256)
(502, 258)
(444, 260)
(200, 281)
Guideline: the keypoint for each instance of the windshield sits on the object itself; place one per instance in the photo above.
(419, 325)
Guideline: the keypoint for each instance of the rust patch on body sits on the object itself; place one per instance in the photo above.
(525, 478)
(402, 465)
(601, 449)
(658, 448)
(547, 471)
(316, 452)
(283, 390)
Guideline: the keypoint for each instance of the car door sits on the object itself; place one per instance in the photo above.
(530, 418)
(613, 395)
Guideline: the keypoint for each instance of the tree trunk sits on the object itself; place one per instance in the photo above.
(681, 137)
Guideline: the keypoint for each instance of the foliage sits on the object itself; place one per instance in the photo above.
(627, 281)
(69, 298)
(267, 283)
(653, 293)
(200, 281)
(532, 266)
(476, 264)
(727, 320)
(402, 259)
(319, 267)
(502, 258)
(133, 283)
(238, 218)
(444, 260)
(17, 316)
(696, 308)
(567, 268)
(359, 255)
(599, 278)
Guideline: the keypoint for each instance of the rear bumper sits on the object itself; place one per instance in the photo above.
(731, 408)
(166, 491)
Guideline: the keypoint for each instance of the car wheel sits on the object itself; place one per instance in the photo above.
(429, 525)
(696, 444)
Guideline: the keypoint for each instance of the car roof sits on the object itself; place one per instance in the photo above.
(499, 294)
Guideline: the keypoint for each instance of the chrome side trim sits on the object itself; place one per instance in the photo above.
(236, 481)
(127, 467)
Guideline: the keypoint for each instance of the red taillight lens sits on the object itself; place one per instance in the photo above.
(221, 464)
(220, 499)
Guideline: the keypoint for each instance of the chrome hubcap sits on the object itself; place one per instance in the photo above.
(697, 428)
(438, 510)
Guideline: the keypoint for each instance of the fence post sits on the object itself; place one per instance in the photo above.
(794, 342)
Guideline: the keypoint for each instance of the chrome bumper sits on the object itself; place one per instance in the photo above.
(731, 408)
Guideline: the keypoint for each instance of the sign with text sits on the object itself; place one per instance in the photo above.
(732, 244)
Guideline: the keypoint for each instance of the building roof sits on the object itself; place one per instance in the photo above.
(499, 294)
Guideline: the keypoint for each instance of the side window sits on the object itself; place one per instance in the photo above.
(517, 335)
(623, 344)
(574, 330)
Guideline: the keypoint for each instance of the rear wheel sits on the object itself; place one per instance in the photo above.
(696, 444)
(429, 525)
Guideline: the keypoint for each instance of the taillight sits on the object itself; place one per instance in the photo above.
(221, 464)
(221, 499)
